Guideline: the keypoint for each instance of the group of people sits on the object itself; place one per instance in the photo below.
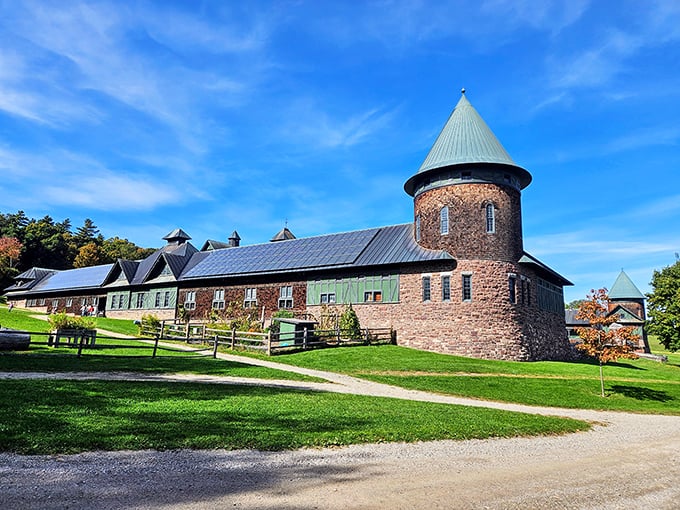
(88, 311)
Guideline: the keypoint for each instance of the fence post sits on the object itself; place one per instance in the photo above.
(393, 336)
(304, 338)
(162, 328)
(233, 338)
(80, 344)
(187, 333)
(269, 343)
(155, 347)
(215, 348)
(368, 338)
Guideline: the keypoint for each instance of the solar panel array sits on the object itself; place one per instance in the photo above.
(362, 248)
(312, 252)
(75, 278)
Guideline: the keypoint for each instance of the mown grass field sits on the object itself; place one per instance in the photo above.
(631, 385)
(47, 417)
(40, 416)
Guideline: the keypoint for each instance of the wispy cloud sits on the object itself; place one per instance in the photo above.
(595, 245)
(405, 24)
(609, 51)
(75, 180)
(310, 125)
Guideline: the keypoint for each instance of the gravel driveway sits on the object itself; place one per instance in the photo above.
(627, 461)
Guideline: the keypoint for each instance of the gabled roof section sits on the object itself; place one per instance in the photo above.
(174, 256)
(283, 235)
(211, 244)
(125, 267)
(74, 279)
(466, 139)
(571, 320)
(35, 273)
(29, 279)
(624, 288)
(552, 275)
(376, 246)
(625, 315)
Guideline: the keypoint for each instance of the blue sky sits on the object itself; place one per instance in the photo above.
(217, 116)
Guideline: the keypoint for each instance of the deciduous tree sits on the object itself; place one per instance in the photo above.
(663, 304)
(88, 255)
(600, 339)
(10, 250)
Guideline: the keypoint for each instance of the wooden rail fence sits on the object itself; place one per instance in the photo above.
(269, 342)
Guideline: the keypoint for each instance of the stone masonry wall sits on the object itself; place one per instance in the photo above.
(489, 326)
(467, 237)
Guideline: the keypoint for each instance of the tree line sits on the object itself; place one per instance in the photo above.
(28, 242)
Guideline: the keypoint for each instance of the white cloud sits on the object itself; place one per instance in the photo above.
(308, 124)
(591, 244)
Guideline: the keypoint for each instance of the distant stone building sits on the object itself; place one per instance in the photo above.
(456, 279)
(627, 302)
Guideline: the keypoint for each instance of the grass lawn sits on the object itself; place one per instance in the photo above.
(136, 357)
(631, 385)
(48, 417)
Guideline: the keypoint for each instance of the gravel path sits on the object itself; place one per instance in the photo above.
(626, 461)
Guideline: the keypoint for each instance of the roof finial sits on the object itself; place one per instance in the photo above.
(462, 91)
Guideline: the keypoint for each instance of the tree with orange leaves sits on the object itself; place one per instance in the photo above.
(10, 250)
(602, 339)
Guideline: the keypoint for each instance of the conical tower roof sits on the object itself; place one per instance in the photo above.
(466, 139)
(624, 288)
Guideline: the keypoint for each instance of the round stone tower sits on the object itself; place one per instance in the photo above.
(467, 192)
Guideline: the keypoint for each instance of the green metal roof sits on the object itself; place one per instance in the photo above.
(467, 139)
(624, 288)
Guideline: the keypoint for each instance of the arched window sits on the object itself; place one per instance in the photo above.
(490, 219)
(444, 221)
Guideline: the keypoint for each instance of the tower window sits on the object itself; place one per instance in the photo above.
(418, 228)
(446, 288)
(490, 219)
(426, 288)
(467, 287)
(512, 283)
(444, 221)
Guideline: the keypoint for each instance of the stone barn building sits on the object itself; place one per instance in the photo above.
(455, 279)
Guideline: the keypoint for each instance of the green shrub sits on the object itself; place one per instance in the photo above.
(63, 321)
(349, 324)
(149, 324)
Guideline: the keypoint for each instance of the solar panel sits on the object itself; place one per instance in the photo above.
(323, 251)
(75, 278)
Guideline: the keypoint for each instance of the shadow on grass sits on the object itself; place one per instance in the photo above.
(618, 364)
(642, 393)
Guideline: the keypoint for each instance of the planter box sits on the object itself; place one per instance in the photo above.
(14, 340)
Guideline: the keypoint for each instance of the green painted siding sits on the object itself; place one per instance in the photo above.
(358, 289)
(142, 300)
